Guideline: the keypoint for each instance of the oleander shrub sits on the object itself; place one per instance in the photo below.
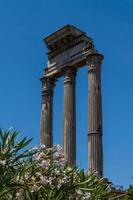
(129, 193)
(41, 173)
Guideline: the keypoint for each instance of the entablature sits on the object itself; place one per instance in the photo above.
(69, 46)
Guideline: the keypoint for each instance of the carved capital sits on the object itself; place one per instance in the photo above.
(69, 75)
(94, 61)
(48, 85)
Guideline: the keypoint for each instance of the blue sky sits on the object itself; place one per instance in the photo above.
(23, 25)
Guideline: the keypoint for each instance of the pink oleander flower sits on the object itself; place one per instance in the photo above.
(42, 147)
(45, 180)
(55, 155)
(37, 156)
(45, 163)
(57, 147)
(58, 154)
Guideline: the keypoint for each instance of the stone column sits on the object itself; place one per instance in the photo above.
(69, 116)
(47, 111)
(95, 114)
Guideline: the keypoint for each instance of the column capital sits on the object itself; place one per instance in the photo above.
(48, 84)
(94, 60)
(69, 74)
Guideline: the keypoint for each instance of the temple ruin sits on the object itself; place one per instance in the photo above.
(69, 49)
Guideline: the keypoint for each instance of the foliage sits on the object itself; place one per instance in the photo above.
(129, 193)
(11, 153)
(43, 174)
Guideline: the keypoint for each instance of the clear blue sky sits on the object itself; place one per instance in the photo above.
(23, 25)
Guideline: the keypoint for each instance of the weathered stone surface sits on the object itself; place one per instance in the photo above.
(66, 48)
(47, 111)
(95, 114)
(70, 49)
(69, 116)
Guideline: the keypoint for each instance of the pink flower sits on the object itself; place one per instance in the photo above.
(45, 180)
(37, 156)
(45, 164)
(42, 147)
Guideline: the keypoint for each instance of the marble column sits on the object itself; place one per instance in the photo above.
(47, 111)
(69, 116)
(95, 146)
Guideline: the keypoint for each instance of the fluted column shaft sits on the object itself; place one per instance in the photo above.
(95, 114)
(47, 111)
(69, 116)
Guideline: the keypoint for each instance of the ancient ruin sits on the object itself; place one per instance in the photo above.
(69, 49)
